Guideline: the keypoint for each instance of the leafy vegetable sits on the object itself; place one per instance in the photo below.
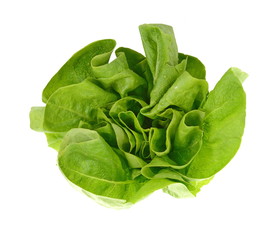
(126, 128)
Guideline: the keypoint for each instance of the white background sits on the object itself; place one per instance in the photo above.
(37, 37)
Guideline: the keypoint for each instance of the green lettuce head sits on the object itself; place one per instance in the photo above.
(126, 128)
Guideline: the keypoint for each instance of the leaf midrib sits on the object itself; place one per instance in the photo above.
(96, 178)
(70, 110)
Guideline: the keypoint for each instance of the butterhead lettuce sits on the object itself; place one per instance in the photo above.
(128, 127)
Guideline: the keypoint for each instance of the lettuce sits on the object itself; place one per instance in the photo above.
(126, 128)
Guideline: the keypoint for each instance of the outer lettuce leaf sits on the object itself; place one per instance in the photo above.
(77, 69)
(54, 139)
(91, 164)
(36, 116)
(37, 124)
(223, 125)
(187, 189)
(74, 103)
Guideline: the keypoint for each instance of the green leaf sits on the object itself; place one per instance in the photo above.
(223, 125)
(74, 103)
(164, 81)
(133, 59)
(118, 77)
(178, 190)
(89, 162)
(160, 138)
(138, 64)
(37, 124)
(54, 139)
(194, 66)
(186, 93)
(160, 46)
(77, 68)
(36, 116)
(188, 138)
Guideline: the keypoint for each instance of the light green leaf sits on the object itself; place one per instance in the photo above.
(36, 116)
(89, 162)
(160, 46)
(77, 68)
(138, 64)
(118, 77)
(186, 93)
(194, 66)
(54, 139)
(71, 104)
(223, 125)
